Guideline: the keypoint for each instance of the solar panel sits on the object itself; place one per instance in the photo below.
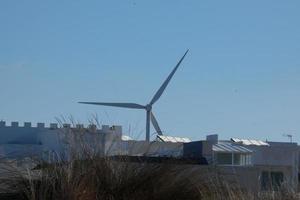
(230, 148)
(165, 138)
(250, 142)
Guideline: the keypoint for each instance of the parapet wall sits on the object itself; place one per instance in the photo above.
(28, 134)
(26, 125)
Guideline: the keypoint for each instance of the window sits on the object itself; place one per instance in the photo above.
(265, 180)
(237, 159)
(271, 180)
(224, 158)
(277, 180)
(246, 159)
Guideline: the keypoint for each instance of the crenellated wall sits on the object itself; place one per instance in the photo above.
(40, 125)
(14, 139)
(15, 124)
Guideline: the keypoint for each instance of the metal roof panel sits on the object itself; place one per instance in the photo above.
(230, 148)
(165, 138)
(250, 142)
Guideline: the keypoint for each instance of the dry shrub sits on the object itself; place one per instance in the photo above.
(103, 178)
(110, 179)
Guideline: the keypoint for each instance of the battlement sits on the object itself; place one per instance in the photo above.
(53, 126)
(25, 125)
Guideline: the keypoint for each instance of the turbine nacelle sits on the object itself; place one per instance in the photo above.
(148, 107)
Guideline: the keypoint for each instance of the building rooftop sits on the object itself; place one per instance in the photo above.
(249, 142)
(165, 138)
(229, 147)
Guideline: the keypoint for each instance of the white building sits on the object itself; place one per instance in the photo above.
(26, 141)
(255, 164)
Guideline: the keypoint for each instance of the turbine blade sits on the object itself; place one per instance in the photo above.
(155, 124)
(165, 84)
(121, 105)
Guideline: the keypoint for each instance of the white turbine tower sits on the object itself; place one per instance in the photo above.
(148, 107)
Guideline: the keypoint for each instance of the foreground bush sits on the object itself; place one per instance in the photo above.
(108, 179)
(105, 179)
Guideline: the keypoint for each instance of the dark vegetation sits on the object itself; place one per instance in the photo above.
(107, 179)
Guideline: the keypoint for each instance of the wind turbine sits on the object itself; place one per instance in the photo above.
(148, 107)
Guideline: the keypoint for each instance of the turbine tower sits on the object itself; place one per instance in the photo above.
(148, 107)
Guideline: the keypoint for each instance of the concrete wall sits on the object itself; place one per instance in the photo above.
(16, 134)
(63, 142)
(198, 149)
(250, 177)
(193, 150)
(13, 151)
(283, 154)
(154, 148)
(15, 140)
(278, 154)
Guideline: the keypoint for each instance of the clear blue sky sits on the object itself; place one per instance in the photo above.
(240, 79)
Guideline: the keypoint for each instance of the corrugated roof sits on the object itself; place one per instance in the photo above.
(249, 142)
(228, 147)
(165, 138)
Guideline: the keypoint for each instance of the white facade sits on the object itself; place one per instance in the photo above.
(23, 141)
